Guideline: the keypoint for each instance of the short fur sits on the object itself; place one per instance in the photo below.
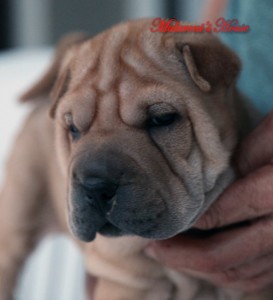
(111, 87)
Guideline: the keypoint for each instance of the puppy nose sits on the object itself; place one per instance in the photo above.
(100, 189)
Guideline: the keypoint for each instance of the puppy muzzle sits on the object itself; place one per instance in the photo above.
(112, 194)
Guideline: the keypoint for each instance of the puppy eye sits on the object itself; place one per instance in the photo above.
(75, 133)
(72, 128)
(162, 120)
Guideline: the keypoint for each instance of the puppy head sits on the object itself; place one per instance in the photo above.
(144, 129)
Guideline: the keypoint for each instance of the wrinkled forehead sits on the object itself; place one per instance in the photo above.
(126, 64)
(125, 52)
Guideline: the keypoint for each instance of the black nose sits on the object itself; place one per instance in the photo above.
(99, 189)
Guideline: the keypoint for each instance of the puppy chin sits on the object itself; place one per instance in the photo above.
(111, 230)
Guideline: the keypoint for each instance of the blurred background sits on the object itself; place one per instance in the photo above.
(32, 23)
(28, 30)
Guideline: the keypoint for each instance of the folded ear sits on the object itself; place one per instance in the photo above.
(209, 62)
(44, 85)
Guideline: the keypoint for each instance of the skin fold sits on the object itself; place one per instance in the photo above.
(130, 140)
(248, 266)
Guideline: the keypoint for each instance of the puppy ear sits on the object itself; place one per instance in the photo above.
(44, 85)
(209, 62)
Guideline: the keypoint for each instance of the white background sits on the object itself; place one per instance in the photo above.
(55, 270)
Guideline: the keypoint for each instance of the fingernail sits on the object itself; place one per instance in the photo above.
(149, 251)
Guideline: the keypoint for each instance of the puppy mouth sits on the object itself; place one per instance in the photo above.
(88, 216)
(114, 216)
(87, 232)
(108, 229)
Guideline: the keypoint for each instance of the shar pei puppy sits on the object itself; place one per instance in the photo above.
(130, 139)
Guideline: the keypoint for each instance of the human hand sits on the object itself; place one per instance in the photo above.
(240, 257)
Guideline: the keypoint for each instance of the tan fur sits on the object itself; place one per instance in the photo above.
(108, 83)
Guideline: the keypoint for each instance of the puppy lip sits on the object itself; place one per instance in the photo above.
(113, 205)
(83, 236)
(104, 208)
(109, 229)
